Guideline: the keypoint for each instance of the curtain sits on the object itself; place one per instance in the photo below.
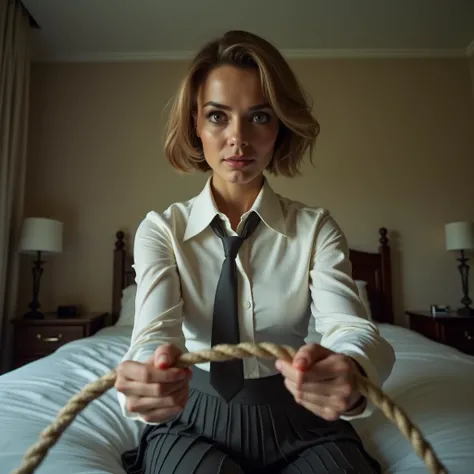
(14, 98)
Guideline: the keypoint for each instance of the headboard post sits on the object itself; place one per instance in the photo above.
(119, 274)
(386, 276)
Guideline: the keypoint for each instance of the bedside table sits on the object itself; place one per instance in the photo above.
(451, 329)
(37, 338)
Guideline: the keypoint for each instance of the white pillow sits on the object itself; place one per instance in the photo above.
(127, 306)
(364, 297)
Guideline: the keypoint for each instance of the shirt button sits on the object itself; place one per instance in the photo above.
(247, 304)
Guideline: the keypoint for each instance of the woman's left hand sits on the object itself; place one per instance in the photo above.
(322, 381)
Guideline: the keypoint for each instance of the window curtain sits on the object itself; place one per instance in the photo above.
(14, 98)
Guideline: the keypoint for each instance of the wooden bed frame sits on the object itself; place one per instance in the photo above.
(372, 267)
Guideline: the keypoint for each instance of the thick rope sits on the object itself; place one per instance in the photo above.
(37, 452)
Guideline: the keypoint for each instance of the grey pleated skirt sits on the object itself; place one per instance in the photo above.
(261, 430)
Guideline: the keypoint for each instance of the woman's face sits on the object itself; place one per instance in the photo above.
(236, 125)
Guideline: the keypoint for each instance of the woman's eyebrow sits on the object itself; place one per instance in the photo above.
(217, 105)
(211, 103)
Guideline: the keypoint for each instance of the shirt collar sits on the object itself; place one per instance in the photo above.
(203, 210)
(267, 205)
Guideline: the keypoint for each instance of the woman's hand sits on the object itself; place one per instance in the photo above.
(155, 389)
(322, 381)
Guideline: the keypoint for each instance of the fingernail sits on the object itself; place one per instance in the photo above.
(163, 360)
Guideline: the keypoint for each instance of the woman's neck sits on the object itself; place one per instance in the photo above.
(233, 200)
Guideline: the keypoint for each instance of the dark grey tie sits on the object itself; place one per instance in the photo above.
(227, 377)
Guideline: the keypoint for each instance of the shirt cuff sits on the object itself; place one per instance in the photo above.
(370, 374)
(357, 409)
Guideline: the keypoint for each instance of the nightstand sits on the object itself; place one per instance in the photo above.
(451, 329)
(37, 338)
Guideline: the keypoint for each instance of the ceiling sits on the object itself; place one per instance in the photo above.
(75, 30)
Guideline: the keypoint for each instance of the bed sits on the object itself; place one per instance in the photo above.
(432, 382)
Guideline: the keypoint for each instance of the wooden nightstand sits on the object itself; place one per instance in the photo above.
(37, 338)
(451, 329)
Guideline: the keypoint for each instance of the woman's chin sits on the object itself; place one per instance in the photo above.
(245, 176)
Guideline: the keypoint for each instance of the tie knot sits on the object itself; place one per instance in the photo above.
(232, 245)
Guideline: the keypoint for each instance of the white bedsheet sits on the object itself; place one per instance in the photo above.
(433, 383)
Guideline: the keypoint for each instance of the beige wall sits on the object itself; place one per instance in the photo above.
(396, 149)
(471, 68)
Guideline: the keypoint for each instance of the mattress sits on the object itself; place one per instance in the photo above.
(433, 383)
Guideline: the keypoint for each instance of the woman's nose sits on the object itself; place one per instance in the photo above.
(238, 134)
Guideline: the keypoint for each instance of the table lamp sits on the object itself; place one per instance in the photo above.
(40, 236)
(460, 237)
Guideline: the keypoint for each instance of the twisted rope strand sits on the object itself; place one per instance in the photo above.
(398, 417)
(35, 455)
(221, 352)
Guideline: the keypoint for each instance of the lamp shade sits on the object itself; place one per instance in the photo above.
(459, 236)
(40, 234)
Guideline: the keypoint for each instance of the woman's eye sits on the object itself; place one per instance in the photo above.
(261, 117)
(216, 117)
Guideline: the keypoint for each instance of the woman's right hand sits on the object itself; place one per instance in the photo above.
(155, 389)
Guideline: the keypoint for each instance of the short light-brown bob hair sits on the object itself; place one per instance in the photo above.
(298, 128)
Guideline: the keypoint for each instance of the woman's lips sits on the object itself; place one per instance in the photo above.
(238, 163)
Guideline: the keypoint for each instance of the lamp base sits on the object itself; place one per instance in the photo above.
(465, 311)
(34, 315)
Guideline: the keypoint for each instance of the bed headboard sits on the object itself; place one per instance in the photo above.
(372, 267)
(376, 269)
(123, 273)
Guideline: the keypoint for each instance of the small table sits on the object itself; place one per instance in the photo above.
(37, 338)
(448, 328)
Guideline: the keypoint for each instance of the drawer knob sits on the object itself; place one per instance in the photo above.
(468, 336)
(49, 339)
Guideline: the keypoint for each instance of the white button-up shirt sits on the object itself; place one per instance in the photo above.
(293, 274)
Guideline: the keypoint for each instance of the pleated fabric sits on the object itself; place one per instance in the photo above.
(261, 430)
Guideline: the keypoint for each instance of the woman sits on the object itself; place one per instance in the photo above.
(240, 112)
